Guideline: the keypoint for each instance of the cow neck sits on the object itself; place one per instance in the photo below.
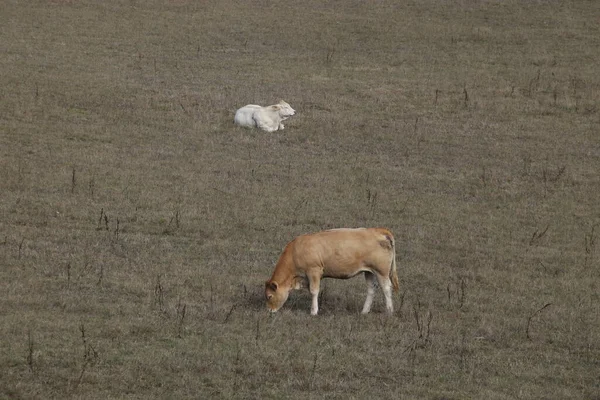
(285, 272)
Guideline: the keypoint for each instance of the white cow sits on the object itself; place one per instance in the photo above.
(268, 118)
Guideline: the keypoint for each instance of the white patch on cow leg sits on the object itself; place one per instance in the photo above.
(281, 127)
(314, 284)
(314, 308)
(370, 278)
(387, 292)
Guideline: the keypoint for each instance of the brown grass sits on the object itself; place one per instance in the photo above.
(137, 224)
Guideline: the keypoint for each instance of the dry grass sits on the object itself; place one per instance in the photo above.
(138, 224)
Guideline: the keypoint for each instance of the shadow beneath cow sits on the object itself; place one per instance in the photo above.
(299, 301)
(253, 299)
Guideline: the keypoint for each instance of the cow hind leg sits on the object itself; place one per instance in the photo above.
(386, 287)
(314, 283)
(370, 278)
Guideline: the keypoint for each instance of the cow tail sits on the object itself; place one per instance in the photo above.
(393, 269)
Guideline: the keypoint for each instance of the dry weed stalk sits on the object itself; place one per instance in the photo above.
(229, 313)
(98, 227)
(311, 380)
(575, 82)
(483, 176)
(117, 230)
(103, 216)
(297, 208)
(531, 317)
(463, 350)
(401, 306)
(184, 109)
(90, 355)
(30, 350)
(590, 241)
(372, 201)
(73, 181)
(181, 310)
(460, 292)
(423, 328)
(236, 370)
(174, 219)
(159, 296)
(533, 84)
(590, 245)
(257, 330)
(91, 185)
(537, 235)
(416, 134)
(331, 52)
(329, 55)
(68, 275)
(100, 275)
(20, 247)
(212, 301)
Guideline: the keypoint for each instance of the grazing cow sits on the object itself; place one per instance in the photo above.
(336, 253)
(268, 118)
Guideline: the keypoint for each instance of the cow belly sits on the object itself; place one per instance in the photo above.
(343, 273)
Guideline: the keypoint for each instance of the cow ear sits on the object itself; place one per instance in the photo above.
(276, 107)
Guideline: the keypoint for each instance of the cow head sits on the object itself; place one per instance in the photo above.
(275, 295)
(285, 110)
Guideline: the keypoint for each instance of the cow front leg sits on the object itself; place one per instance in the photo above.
(281, 126)
(265, 126)
(314, 286)
(370, 278)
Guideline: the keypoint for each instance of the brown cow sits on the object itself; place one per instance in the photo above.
(336, 253)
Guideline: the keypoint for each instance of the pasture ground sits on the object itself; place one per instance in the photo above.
(138, 225)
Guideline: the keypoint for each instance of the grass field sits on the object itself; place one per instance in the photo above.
(138, 225)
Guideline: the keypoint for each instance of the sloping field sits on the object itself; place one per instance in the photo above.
(138, 225)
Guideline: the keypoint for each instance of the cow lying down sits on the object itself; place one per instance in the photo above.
(268, 118)
(336, 253)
